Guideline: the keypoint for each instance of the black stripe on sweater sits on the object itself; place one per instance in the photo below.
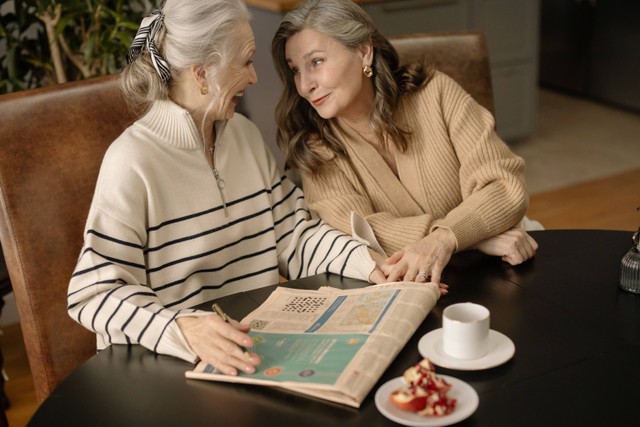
(346, 245)
(285, 198)
(226, 282)
(128, 321)
(311, 226)
(216, 208)
(207, 232)
(100, 282)
(284, 235)
(149, 323)
(214, 269)
(106, 297)
(102, 303)
(315, 250)
(113, 239)
(208, 253)
(117, 309)
(113, 314)
(90, 269)
(305, 266)
(155, 347)
(112, 259)
(346, 261)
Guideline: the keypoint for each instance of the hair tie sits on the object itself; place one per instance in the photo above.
(145, 38)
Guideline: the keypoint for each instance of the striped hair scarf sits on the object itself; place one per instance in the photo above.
(145, 38)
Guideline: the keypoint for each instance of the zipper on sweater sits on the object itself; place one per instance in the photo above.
(219, 181)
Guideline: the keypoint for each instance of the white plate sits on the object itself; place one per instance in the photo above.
(501, 349)
(465, 395)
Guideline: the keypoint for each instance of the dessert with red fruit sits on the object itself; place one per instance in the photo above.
(424, 392)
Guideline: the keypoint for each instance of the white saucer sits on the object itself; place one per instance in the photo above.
(501, 350)
(465, 395)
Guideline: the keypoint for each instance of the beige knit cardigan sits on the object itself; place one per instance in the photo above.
(457, 173)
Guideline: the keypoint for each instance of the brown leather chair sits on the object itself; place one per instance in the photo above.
(463, 56)
(52, 141)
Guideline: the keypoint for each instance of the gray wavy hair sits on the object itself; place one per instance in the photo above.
(301, 131)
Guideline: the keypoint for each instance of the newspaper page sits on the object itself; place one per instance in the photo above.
(330, 343)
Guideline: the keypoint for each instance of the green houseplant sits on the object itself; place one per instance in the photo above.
(54, 41)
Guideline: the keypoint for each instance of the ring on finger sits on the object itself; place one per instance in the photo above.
(423, 274)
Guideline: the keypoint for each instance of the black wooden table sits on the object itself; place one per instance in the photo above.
(577, 360)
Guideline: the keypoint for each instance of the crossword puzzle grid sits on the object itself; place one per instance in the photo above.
(304, 304)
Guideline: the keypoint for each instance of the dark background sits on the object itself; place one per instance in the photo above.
(591, 48)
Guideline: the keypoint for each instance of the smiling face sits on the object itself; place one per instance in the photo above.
(329, 75)
(238, 74)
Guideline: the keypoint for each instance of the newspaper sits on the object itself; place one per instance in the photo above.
(330, 343)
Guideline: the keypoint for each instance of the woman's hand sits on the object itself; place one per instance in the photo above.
(514, 246)
(219, 343)
(377, 276)
(425, 258)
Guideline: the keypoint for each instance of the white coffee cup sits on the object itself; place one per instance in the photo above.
(465, 330)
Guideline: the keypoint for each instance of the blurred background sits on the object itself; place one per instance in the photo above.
(564, 74)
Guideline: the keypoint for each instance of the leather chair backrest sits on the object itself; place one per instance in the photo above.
(463, 56)
(52, 141)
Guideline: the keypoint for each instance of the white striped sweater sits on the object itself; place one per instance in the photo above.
(160, 238)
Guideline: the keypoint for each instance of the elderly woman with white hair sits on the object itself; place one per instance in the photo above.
(189, 204)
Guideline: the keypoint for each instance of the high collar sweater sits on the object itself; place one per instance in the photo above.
(162, 235)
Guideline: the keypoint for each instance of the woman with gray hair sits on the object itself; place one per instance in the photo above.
(396, 152)
(189, 205)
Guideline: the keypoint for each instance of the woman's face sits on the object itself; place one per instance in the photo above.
(329, 75)
(239, 74)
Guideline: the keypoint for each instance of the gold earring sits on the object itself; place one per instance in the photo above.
(204, 90)
(367, 70)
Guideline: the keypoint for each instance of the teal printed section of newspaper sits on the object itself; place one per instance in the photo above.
(304, 358)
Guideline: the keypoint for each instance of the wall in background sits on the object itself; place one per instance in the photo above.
(590, 48)
(9, 311)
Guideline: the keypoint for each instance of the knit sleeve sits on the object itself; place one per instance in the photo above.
(307, 245)
(108, 292)
(338, 192)
(461, 175)
(494, 196)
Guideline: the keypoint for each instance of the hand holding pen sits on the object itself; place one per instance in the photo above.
(220, 342)
(224, 317)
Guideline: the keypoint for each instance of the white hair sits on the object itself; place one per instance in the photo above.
(195, 33)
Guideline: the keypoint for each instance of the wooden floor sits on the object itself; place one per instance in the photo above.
(609, 204)
(19, 387)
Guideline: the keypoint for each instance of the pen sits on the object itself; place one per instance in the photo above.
(224, 317)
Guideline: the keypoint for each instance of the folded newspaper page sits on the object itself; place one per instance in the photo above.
(330, 343)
